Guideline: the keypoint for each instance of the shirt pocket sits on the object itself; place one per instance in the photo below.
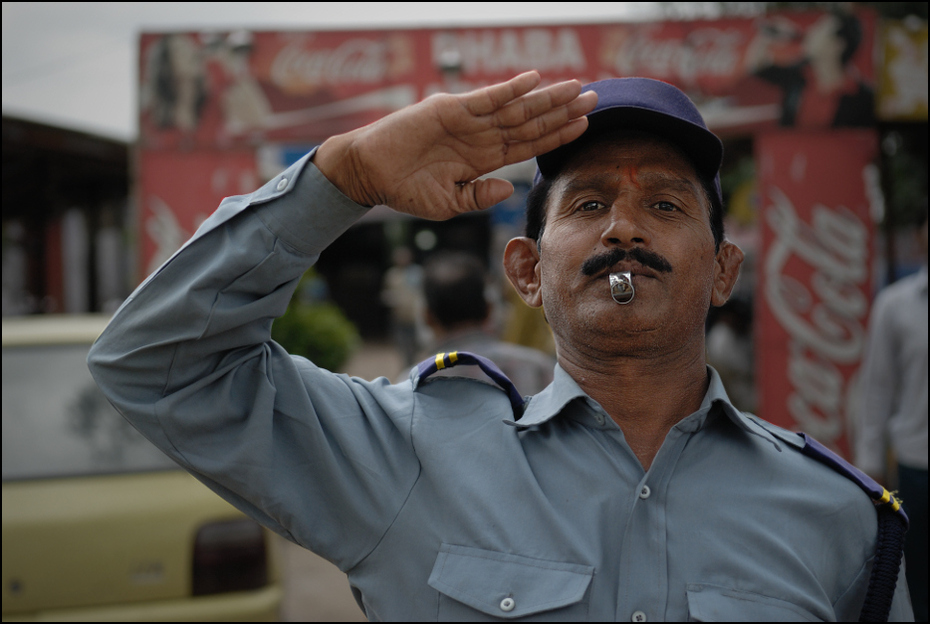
(473, 581)
(713, 603)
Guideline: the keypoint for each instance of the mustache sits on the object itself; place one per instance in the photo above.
(650, 259)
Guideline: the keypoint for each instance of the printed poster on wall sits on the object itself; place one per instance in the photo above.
(902, 86)
(248, 90)
(802, 69)
(818, 193)
(179, 190)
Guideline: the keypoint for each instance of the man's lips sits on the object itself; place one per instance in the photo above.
(635, 270)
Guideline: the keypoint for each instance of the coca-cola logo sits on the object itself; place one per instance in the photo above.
(354, 61)
(704, 52)
(824, 318)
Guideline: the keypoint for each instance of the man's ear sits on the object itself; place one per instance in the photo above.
(726, 271)
(521, 264)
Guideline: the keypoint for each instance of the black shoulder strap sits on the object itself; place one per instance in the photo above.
(892, 526)
(447, 360)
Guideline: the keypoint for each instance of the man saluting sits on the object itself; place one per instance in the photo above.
(628, 489)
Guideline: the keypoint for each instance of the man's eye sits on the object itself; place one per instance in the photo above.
(666, 206)
(590, 205)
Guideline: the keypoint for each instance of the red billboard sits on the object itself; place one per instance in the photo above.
(244, 88)
(181, 189)
(818, 192)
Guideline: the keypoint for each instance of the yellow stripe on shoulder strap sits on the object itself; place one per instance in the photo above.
(440, 361)
(888, 497)
(894, 502)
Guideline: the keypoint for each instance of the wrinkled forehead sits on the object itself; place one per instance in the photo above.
(629, 153)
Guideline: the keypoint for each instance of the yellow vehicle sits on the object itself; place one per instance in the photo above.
(97, 523)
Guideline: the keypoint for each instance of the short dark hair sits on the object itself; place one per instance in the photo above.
(536, 208)
(538, 196)
(453, 285)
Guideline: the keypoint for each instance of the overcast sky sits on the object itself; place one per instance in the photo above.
(74, 64)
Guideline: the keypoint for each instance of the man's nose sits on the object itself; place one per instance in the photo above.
(625, 225)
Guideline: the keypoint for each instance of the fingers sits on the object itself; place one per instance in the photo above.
(517, 113)
(482, 194)
(524, 150)
(486, 101)
(540, 125)
(542, 101)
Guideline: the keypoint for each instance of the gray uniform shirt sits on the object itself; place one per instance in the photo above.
(430, 497)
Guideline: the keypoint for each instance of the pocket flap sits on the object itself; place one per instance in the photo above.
(712, 603)
(507, 586)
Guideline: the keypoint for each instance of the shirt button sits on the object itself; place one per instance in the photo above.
(507, 604)
(282, 184)
(638, 616)
(644, 494)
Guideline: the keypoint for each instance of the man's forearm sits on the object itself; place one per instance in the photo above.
(210, 307)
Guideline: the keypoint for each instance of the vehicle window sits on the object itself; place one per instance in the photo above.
(57, 423)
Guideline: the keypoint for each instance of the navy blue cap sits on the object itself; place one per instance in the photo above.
(650, 106)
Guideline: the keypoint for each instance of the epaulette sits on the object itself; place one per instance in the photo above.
(815, 450)
(447, 360)
(879, 495)
(892, 526)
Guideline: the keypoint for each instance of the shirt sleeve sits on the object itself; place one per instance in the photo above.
(879, 372)
(323, 459)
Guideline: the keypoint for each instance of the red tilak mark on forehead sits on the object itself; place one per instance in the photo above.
(632, 171)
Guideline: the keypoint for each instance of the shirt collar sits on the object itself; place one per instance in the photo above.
(563, 390)
(552, 400)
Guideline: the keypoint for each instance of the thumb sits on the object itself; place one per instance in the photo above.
(482, 194)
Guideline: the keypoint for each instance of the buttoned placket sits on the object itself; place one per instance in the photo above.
(643, 575)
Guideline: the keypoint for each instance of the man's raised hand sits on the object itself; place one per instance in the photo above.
(425, 159)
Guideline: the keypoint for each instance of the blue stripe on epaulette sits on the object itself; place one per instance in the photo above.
(879, 495)
(447, 360)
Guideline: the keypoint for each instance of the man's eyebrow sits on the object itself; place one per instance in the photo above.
(596, 182)
(658, 179)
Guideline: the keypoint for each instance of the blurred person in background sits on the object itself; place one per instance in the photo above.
(402, 292)
(730, 351)
(459, 314)
(893, 409)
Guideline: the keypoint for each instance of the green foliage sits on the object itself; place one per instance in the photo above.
(315, 329)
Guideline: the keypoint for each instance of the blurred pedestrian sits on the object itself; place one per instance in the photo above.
(729, 350)
(893, 410)
(403, 294)
(459, 314)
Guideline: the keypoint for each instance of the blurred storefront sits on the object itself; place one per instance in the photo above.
(65, 220)
(824, 117)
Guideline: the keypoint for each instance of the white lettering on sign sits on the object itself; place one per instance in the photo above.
(353, 61)
(825, 319)
(704, 52)
(496, 51)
